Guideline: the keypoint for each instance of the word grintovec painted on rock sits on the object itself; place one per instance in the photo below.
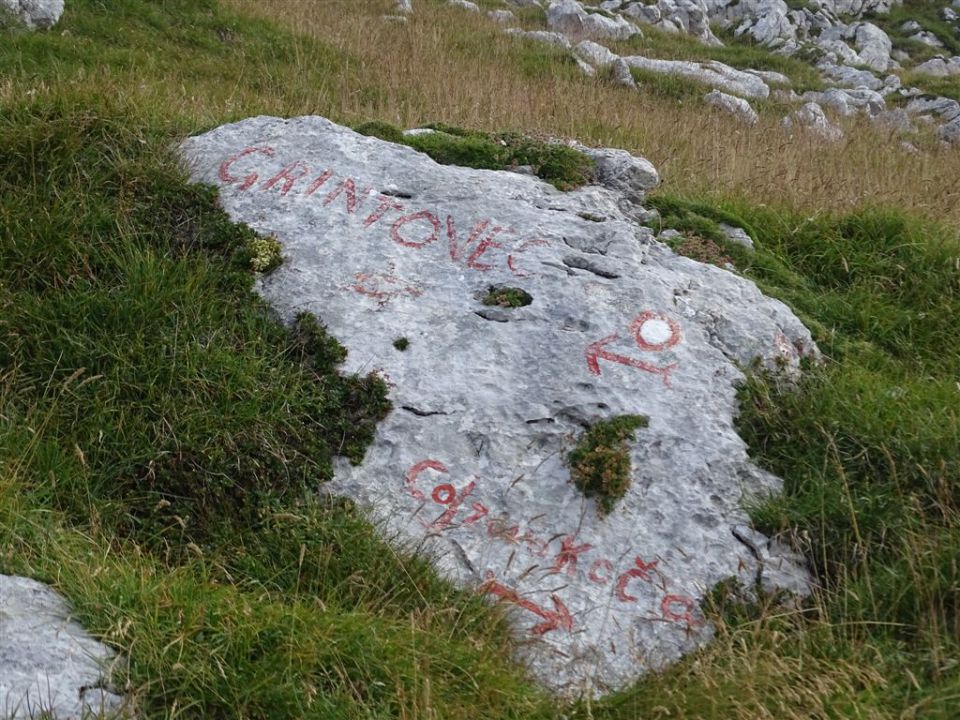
(381, 242)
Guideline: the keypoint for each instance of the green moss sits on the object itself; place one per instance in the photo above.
(401, 344)
(558, 164)
(382, 130)
(600, 463)
(507, 297)
(323, 350)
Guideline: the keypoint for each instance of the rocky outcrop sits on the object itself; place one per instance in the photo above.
(711, 72)
(34, 13)
(48, 663)
(570, 18)
(489, 397)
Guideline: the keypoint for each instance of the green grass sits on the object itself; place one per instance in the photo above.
(162, 435)
(927, 14)
(867, 444)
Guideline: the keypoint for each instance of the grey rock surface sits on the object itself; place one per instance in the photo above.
(940, 66)
(48, 662)
(35, 13)
(381, 242)
(738, 107)
(544, 36)
(504, 17)
(811, 118)
(711, 72)
(618, 170)
(848, 102)
(950, 132)
(873, 45)
(737, 235)
(595, 54)
(569, 18)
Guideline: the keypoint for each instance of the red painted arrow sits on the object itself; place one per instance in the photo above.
(596, 352)
(561, 618)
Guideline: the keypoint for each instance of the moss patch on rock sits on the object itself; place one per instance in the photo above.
(600, 463)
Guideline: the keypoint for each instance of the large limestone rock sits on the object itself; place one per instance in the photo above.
(714, 73)
(873, 46)
(382, 243)
(35, 13)
(48, 663)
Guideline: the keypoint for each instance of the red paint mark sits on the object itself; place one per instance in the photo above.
(596, 352)
(637, 327)
(480, 511)
(320, 180)
(495, 528)
(689, 606)
(485, 244)
(386, 203)
(567, 557)
(290, 174)
(421, 215)
(596, 577)
(250, 179)
(538, 546)
(454, 244)
(782, 348)
(558, 618)
(444, 494)
(410, 477)
(349, 187)
(640, 571)
(447, 495)
(512, 261)
(383, 287)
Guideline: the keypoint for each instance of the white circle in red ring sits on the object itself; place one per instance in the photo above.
(444, 494)
(655, 331)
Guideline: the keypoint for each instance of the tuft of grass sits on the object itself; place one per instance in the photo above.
(507, 297)
(600, 462)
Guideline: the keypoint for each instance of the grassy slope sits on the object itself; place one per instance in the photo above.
(138, 370)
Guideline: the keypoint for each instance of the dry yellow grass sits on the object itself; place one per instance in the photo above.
(449, 65)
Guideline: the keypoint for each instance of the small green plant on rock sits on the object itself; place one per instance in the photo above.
(600, 463)
(401, 344)
(507, 297)
(264, 254)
